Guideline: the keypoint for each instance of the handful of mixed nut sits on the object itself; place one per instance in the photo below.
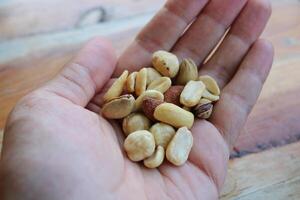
(159, 107)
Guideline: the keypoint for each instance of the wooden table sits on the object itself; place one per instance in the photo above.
(36, 39)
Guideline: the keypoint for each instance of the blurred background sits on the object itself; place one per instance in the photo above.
(38, 37)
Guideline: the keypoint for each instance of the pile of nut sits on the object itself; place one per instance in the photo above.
(158, 106)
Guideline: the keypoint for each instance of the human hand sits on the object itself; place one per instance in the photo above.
(55, 147)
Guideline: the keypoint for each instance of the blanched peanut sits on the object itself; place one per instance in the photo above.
(211, 84)
(154, 94)
(130, 83)
(180, 146)
(117, 87)
(192, 93)
(135, 122)
(141, 82)
(152, 75)
(173, 115)
(139, 145)
(207, 95)
(166, 63)
(118, 107)
(188, 71)
(161, 84)
(156, 159)
(163, 133)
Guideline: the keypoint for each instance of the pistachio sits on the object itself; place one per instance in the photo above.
(203, 111)
(161, 84)
(188, 71)
(192, 93)
(117, 87)
(135, 122)
(118, 107)
(166, 63)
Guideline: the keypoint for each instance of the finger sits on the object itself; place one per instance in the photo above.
(204, 34)
(244, 32)
(161, 33)
(86, 74)
(239, 96)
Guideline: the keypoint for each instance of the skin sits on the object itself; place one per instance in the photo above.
(57, 147)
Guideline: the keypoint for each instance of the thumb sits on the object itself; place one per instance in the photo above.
(86, 74)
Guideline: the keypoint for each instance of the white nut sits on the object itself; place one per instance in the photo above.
(117, 87)
(139, 145)
(163, 133)
(180, 146)
(166, 63)
(173, 115)
(130, 83)
(154, 94)
(211, 84)
(207, 95)
(141, 82)
(192, 93)
(161, 84)
(135, 122)
(152, 74)
(156, 159)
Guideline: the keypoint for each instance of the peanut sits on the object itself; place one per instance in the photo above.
(152, 75)
(207, 95)
(173, 115)
(161, 84)
(141, 81)
(180, 146)
(118, 107)
(117, 87)
(156, 159)
(166, 63)
(211, 84)
(148, 93)
(139, 145)
(163, 133)
(188, 71)
(135, 122)
(192, 93)
(130, 83)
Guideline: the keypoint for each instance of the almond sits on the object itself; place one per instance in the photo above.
(149, 105)
(172, 95)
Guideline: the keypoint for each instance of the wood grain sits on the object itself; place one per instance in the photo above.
(22, 18)
(26, 63)
(273, 174)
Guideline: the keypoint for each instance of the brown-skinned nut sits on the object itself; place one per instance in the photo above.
(149, 105)
(172, 95)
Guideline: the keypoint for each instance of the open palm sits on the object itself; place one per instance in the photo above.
(57, 147)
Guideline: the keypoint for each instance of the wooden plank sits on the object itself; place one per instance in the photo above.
(272, 174)
(23, 18)
(28, 62)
